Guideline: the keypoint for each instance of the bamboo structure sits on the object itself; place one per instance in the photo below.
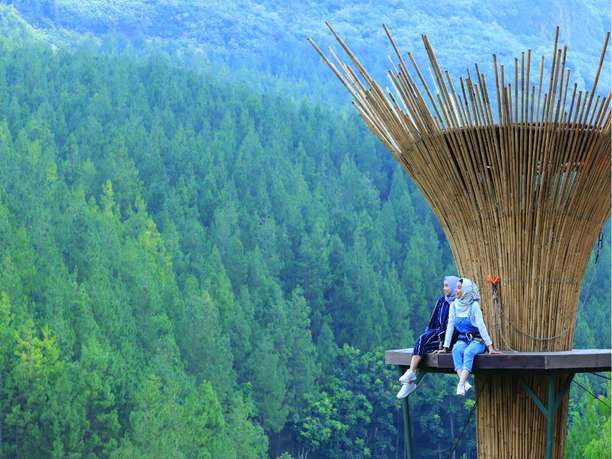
(518, 175)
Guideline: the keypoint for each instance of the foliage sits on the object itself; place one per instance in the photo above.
(591, 427)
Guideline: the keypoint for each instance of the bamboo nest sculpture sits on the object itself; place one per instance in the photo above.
(519, 177)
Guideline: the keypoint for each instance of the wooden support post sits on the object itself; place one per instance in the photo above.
(406, 415)
(554, 400)
(508, 420)
(512, 389)
(550, 419)
(407, 423)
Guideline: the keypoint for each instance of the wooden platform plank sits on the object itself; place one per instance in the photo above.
(577, 360)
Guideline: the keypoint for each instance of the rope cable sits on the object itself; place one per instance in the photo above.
(499, 317)
(459, 437)
(592, 394)
(601, 376)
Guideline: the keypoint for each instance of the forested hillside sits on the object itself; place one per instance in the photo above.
(190, 267)
(185, 264)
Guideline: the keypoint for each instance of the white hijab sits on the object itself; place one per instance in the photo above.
(469, 294)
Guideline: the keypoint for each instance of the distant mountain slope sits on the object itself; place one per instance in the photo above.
(270, 36)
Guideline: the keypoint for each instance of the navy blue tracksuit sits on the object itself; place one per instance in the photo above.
(430, 340)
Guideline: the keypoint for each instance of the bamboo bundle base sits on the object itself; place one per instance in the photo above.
(508, 423)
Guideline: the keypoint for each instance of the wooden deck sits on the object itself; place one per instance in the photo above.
(575, 361)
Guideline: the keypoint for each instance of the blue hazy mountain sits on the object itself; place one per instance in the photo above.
(269, 37)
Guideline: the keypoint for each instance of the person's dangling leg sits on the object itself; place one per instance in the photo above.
(417, 352)
(409, 377)
(458, 350)
(471, 351)
(414, 362)
(423, 344)
(459, 362)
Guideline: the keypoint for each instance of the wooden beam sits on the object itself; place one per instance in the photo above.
(577, 360)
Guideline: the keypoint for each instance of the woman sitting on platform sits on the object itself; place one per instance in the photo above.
(433, 336)
(465, 318)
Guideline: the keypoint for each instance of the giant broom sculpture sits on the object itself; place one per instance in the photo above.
(521, 187)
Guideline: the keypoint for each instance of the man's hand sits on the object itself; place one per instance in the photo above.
(441, 351)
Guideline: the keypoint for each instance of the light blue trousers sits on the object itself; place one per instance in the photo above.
(464, 353)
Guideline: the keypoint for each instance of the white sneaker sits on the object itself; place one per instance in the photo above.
(407, 377)
(461, 389)
(406, 390)
(467, 386)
